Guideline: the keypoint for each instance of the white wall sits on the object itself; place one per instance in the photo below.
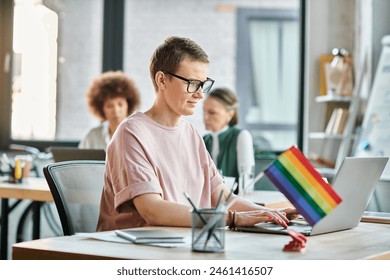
(329, 24)
(380, 27)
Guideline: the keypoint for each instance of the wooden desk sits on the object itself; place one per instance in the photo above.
(35, 189)
(32, 188)
(366, 241)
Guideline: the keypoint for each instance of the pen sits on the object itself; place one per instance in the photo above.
(219, 199)
(195, 209)
(231, 192)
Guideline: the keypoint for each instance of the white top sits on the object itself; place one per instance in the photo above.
(97, 138)
(245, 153)
(215, 148)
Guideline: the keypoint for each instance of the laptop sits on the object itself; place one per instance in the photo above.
(355, 182)
(73, 153)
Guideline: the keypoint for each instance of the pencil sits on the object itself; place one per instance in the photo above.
(195, 209)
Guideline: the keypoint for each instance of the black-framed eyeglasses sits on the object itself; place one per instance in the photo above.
(194, 85)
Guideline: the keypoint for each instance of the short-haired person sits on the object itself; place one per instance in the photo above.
(112, 97)
(231, 148)
(155, 156)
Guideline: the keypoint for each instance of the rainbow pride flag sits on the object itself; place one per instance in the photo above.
(304, 187)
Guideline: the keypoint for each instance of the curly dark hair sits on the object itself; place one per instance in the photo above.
(109, 85)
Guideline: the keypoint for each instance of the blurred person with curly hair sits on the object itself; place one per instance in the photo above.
(111, 97)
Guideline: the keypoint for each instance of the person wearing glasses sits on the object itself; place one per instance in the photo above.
(231, 148)
(156, 156)
(112, 97)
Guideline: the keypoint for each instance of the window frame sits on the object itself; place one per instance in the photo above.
(6, 29)
(113, 28)
(244, 76)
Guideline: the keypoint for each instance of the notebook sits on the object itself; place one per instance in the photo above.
(149, 236)
(355, 182)
(72, 153)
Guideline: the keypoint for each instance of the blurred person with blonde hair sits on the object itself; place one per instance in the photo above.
(230, 147)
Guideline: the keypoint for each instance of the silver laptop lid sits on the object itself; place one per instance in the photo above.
(355, 182)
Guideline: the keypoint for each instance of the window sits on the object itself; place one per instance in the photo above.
(34, 71)
(57, 51)
(268, 75)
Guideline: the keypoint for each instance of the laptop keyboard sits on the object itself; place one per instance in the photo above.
(299, 227)
(305, 229)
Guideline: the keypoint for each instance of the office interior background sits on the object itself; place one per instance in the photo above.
(82, 39)
(264, 50)
(267, 51)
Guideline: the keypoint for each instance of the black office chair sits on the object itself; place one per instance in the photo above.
(76, 187)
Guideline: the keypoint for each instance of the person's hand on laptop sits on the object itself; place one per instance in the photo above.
(291, 213)
(250, 218)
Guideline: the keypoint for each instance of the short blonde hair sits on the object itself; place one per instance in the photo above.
(172, 52)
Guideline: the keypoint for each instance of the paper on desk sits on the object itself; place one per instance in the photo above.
(110, 236)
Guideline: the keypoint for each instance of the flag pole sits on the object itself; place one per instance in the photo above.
(251, 183)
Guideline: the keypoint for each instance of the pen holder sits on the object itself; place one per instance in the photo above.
(208, 230)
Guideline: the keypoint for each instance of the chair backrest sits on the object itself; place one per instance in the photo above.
(76, 187)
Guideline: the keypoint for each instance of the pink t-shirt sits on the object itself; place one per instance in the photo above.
(146, 157)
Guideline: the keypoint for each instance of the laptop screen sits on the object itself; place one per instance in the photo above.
(72, 153)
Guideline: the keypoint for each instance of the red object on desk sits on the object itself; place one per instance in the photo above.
(298, 244)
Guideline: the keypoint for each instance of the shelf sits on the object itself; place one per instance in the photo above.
(338, 142)
(322, 135)
(333, 98)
